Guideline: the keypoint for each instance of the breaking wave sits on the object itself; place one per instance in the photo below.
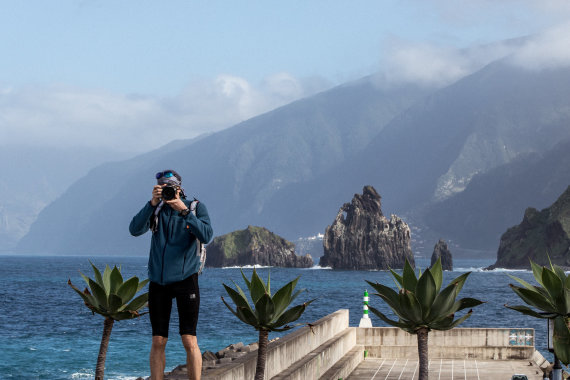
(317, 267)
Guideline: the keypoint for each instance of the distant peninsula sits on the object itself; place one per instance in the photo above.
(540, 235)
(254, 246)
(361, 237)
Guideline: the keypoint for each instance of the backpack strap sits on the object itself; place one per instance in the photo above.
(193, 206)
(200, 247)
(154, 217)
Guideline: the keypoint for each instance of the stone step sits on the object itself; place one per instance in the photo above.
(315, 364)
(345, 365)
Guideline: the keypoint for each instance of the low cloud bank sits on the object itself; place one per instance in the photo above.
(548, 50)
(68, 116)
(436, 65)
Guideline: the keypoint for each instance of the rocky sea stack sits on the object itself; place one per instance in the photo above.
(441, 250)
(540, 233)
(361, 237)
(254, 246)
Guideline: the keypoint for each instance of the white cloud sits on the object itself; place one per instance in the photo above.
(535, 43)
(437, 65)
(425, 64)
(283, 85)
(63, 116)
(550, 49)
(433, 64)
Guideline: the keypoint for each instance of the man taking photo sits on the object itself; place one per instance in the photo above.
(178, 226)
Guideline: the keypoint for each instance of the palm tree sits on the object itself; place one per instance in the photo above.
(109, 296)
(552, 298)
(421, 307)
(269, 312)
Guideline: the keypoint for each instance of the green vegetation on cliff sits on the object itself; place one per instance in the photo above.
(249, 239)
(254, 246)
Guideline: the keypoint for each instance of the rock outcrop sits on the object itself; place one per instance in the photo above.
(440, 250)
(361, 237)
(254, 246)
(540, 234)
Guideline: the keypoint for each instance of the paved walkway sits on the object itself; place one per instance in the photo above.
(444, 369)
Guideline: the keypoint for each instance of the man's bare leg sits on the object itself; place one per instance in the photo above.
(193, 357)
(157, 357)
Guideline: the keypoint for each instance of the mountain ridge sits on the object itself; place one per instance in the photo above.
(236, 170)
(405, 162)
(288, 169)
(495, 200)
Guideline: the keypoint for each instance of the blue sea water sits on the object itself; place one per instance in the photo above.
(46, 332)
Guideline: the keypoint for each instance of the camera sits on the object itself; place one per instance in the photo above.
(168, 192)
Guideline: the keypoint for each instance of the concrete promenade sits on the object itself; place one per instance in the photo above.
(444, 369)
(331, 350)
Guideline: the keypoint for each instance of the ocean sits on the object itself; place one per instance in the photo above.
(46, 332)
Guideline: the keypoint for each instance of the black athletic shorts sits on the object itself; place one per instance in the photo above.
(187, 296)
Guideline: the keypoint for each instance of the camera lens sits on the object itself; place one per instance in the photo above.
(168, 193)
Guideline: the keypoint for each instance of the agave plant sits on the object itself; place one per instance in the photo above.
(420, 305)
(269, 312)
(552, 298)
(111, 297)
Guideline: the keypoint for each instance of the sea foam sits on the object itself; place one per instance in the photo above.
(316, 267)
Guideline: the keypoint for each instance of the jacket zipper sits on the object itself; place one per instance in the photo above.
(165, 244)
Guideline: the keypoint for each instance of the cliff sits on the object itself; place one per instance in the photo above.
(361, 237)
(254, 246)
(440, 250)
(540, 233)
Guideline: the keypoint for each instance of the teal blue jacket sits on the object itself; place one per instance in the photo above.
(173, 246)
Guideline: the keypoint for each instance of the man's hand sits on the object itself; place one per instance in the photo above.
(156, 195)
(177, 203)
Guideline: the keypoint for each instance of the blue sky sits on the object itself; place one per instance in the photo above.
(155, 47)
(81, 68)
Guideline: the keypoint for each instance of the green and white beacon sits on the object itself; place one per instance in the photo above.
(365, 320)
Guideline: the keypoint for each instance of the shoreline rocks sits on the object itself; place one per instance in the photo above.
(211, 360)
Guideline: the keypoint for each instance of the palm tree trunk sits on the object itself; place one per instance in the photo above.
(423, 353)
(261, 354)
(100, 369)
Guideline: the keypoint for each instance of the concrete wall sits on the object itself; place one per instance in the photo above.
(309, 353)
(459, 343)
(282, 353)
